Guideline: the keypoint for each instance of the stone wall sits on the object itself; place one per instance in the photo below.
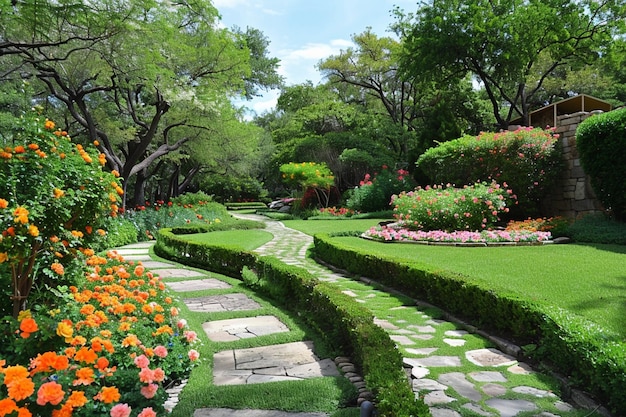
(573, 196)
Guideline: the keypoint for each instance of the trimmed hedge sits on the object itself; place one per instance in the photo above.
(601, 142)
(345, 324)
(250, 205)
(590, 356)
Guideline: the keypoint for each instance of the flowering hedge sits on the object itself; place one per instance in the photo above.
(471, 208)
(375, 191)
(390, 234)
(108, 349)
(527, 159)
(54, 199)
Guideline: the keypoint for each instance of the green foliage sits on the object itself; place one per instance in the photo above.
(228, 189)
(189, 209)
(374, 192)
(307, 175)
(472, 208)
(601, 142)
(527, 161)
(597, 228)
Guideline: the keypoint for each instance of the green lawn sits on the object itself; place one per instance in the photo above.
(589, 280)
(245, 239)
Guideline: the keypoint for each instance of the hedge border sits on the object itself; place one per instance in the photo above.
(593, 358)
(344, 324)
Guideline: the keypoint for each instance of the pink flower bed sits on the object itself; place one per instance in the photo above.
(390, 234)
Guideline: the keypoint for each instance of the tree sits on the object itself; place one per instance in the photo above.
(502, 44)
(145, 89)
(418, 113)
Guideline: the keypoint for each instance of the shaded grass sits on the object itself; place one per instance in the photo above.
(588, 280)
(245, 239)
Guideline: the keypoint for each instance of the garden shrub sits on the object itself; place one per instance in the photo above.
(374, 192)
(54, 200)
(601, 143)
(316, 181)
(527, 160)
(229, 189)
(471, 208)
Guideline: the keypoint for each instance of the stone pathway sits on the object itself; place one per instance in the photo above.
(492, 381)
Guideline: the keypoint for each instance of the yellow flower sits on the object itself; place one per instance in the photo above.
(21, 215)
(65, 330)
(24, 314)
(58, 193)
(33, 230)
(3, 257)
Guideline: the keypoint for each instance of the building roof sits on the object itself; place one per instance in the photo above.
(547, 116)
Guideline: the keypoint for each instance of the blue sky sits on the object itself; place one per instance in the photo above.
(302, 32)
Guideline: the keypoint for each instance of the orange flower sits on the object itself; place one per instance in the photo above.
(21, 389)
(50, 392)
(28, 326)
(3, 203)
(14, 373)
(159, 318)
(131, 340)
(108, 395)
(19, 149)
(3, 257)
(7, 406)
(33, 230)
(102, 363)
(49, 124)
(84, 376)
(86, 355)
(76, 399)
(21, 215)
(58, 193)
(88, 229)
(33, 146)
(87, 309)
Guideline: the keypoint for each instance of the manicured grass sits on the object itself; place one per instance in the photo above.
(311, 227)
(328, 394)
(589, 280)
(245, 239)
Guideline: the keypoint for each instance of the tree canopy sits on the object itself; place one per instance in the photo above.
(510, 47)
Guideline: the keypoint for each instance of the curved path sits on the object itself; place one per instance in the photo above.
(456, 372)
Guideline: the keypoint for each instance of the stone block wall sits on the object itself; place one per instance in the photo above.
(573, 196)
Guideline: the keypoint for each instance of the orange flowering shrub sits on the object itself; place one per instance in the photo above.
(109, 349)
(53, 195)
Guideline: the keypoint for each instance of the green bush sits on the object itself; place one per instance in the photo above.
(226, 189)
(472, 208)
(601, 143)
(527, 160)
(374, 192)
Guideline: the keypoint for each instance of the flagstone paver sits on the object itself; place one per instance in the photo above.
(221, 302)
(198, 285)
(243, 328)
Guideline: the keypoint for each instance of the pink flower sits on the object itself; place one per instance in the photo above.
(146, 375)
(193, 355)
(147, 412)
(190, 335)
(142, 361)
(149, 390)
(181, 323)
(160, 351)
(120, 410)
(159, 374)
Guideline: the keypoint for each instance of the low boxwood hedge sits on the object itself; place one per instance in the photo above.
(345, 324)
(592, 358)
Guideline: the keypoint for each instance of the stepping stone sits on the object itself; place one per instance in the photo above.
(476, 409)
(198, 284)
(456, 333)
(224, 302)
(489, 357)
(521, 369)
(385, 324)
(179, 273)
(461, 385)
(454, 342)
(539, 393)
(235, 329)
(147, 244)
(427, 385)
(157, 264)
(487, 376)
(402, 340)
(494, 390)
(510, 408)
(424, 329)
(349, 293)
(437, 397)
(131, 251)
(138, 257)
(443, 412)
(289, 361)
(421, 351)
(434, 361)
